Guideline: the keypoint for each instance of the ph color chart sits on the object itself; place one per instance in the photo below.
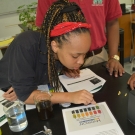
(90, 119)
(86, 112)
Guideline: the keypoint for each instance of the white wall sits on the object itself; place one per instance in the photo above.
(0, 54)
(9, 25)
(10, 6)
(126, 1)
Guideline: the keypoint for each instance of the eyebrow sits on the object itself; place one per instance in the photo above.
(79, 53)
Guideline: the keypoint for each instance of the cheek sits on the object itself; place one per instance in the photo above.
(66, 60)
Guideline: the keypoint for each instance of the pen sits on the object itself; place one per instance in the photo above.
(10, 91)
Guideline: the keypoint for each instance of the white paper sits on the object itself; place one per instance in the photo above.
(1, 114)
(1, 108)
(91, 120)
(63, 104)
(88, 80)
(1, 93)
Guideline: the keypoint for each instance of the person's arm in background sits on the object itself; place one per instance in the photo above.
(112, 28)
(42, 7)
(113, 12)
(131, 81)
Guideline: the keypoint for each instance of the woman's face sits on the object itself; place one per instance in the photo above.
(72, 52)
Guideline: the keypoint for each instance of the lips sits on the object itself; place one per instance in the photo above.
(76, 68)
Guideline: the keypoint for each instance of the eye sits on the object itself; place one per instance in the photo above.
(75, 57)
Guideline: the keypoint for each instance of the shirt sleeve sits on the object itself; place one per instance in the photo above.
(42, 7)
(21, 67)
(113, 10)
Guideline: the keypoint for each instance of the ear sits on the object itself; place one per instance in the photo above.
(54, 46)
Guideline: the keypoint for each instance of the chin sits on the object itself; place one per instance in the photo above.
(70, 68)
(76, 68)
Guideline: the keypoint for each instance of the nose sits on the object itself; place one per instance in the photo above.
(80, 60)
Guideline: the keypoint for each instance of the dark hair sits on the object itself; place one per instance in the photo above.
(60, 11)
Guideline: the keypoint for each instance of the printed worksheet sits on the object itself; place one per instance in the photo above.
(3, 119)
(88, 80)
(91, 120)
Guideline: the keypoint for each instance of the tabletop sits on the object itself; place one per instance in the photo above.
(108, 93)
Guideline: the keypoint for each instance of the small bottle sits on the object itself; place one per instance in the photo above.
(47, 131)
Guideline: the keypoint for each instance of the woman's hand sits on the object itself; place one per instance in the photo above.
(10, 94)
(82, 96)
(72, 73)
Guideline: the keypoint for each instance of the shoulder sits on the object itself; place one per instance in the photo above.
(31, 36)
(112, 9)
(27, 40)
(112, 3)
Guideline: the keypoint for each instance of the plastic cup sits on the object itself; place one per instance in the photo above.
(15, 115)
(43, 105)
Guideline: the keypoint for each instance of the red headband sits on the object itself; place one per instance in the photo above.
(66, 27)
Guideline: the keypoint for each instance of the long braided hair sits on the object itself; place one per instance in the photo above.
(60, 11)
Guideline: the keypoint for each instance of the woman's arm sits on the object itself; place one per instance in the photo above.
(82, 96)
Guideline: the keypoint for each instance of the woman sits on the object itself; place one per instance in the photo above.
(35, 57)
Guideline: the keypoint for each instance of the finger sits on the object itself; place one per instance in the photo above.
(88, 98)
(67, 74)
(71, 73)
(9, 93)
(6, 96)
(115, 73)
(121, 71)
(77, 72)
(74, 73)
(12, 98)
(134, 84)
(129, 80)
(110, 70)
(107, 65)
(88, 101)
(131, 85)
(9, 97)
(93, 102)
(13, 94)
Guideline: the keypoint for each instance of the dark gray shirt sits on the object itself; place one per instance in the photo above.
(24, 65)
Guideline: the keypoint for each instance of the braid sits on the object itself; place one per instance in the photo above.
(53, 17)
